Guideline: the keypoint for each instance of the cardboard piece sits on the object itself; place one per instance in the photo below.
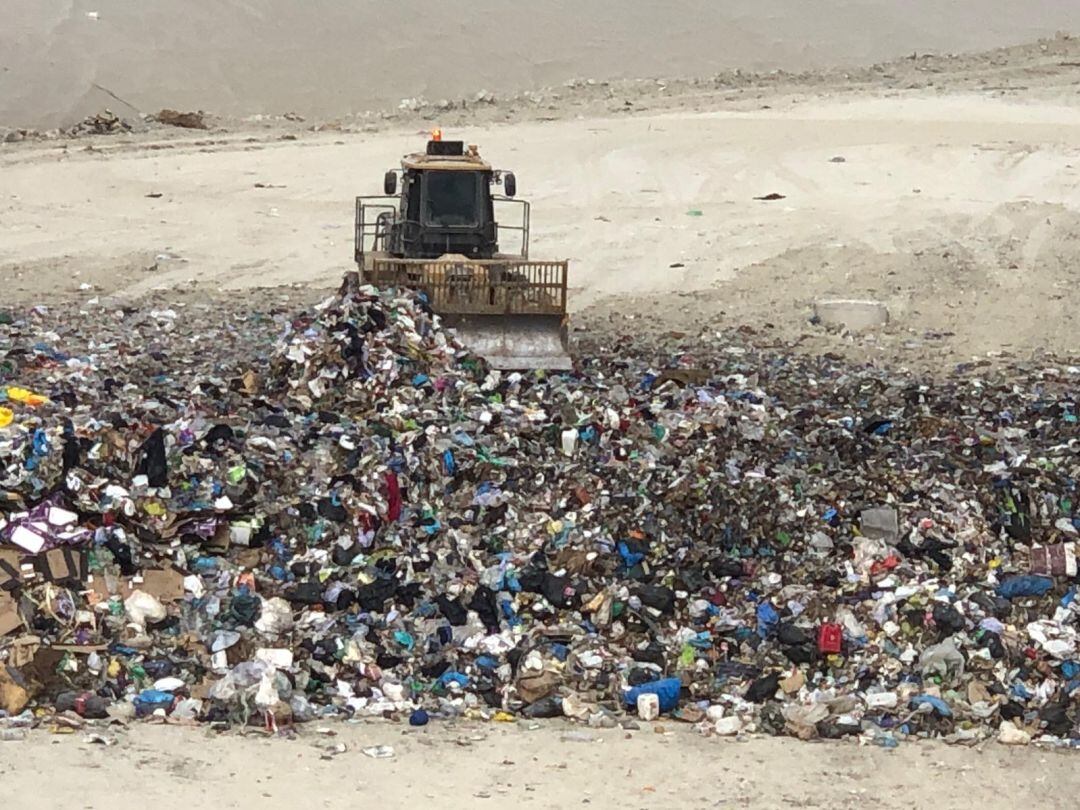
(11, 572)
(63, 565)
(164, 584)
(1057, 560)
(14, 694)
(29, 539)
(22, 650)
(10, 619)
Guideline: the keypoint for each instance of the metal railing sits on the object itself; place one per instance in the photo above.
(369, 234)
(372, 230)
(482, 287)
(522, 230)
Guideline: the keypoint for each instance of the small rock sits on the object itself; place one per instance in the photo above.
(729, 726)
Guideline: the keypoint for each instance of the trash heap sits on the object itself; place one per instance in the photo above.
(105, 122)
(245, 516)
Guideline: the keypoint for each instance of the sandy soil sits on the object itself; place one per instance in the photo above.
(480, 765)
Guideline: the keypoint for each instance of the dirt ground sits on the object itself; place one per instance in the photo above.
(945, 187)
(476, 765)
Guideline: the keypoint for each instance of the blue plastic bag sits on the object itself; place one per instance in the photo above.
(1025, 585)
(450, 676)
(150, 700)
(767, 619)
(667, 690)
(939, 705)
(629, 558)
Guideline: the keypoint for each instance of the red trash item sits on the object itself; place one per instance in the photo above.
(393, 497)
(830, 639)
(881, 566)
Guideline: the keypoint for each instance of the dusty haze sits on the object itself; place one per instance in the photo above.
(329, 57)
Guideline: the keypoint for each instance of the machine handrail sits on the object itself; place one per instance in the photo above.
(384, 203)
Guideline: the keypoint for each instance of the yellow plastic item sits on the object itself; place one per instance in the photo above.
(6, 417)
(504, 717)
(26, 397)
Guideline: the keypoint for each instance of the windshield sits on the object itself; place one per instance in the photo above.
(450, 199)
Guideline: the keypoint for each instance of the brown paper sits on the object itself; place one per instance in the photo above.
(1057, 560)
(23, 649)
(164, 584)
(10, 620)
(62, 565)
(12, 574)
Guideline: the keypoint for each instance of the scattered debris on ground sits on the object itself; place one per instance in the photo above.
(105, 122)
(185, 120)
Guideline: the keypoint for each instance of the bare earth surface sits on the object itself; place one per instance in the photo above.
(483, 765)
(956, 203)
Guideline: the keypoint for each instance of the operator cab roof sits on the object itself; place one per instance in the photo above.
(446, 156)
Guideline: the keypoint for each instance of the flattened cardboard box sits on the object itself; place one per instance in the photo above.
(14, 569)
(63, 565)
(1057, 560)
(164, 584)
(10, 620)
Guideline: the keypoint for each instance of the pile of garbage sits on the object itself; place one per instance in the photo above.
(184, 120)
(105, 122)
(251, 516)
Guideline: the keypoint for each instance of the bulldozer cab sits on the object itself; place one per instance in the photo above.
(440, 227)
(453, 208)
(445, 204)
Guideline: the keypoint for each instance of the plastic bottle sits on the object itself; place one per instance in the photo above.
(13, 734)
(648, 706)
(569, 441)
